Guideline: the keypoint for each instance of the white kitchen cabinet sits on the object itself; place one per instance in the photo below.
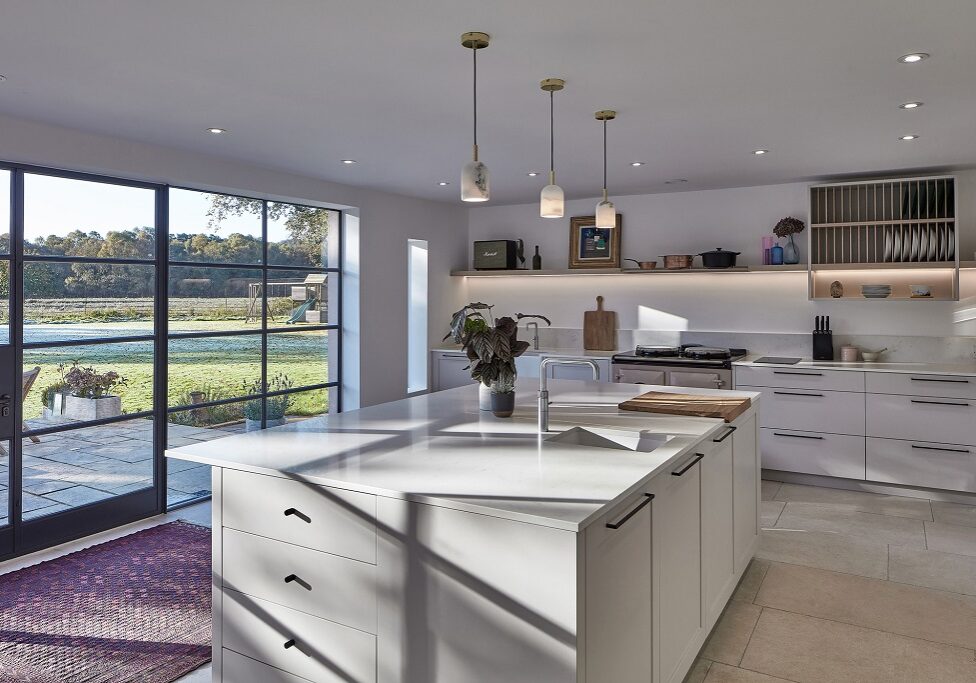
(922, 418)
(581, 372)
(918, 463)
(921, 384)
(527, 365)
(826, 455)
(811, 410)
(717, 505)
(799, 378)
(746, 471)
(450, 369)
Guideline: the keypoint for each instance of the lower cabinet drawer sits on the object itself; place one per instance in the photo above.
(240, 669)
(922, 418)
(830, 455)
(328, 586)
(316, 649)
(811, 410)
(916, 463)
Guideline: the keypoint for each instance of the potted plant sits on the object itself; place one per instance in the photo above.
(52, 399)
(276, 406)
(787, 227)
(90, 396)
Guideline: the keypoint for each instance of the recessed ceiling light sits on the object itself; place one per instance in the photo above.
(908, 137)
(913, 57)
(443, 183)
(532, 174)
(349, 161)
(636, 163)
(675, 181)
(2, 78)
(217, 131)
(760, 151)
(910, 105)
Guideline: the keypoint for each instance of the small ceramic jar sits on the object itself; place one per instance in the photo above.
(848, 354)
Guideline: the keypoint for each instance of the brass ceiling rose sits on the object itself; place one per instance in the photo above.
(475, 40)
(605, 115)
(552, 84)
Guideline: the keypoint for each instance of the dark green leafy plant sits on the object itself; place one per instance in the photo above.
(492, 353)
(48, 392)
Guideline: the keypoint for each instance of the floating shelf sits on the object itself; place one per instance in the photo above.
(627, 271)
(887, 298)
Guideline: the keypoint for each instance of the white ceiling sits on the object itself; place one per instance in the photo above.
(698, 84)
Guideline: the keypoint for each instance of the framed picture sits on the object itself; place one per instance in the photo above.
(593, 247)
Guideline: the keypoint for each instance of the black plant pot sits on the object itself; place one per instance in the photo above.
(503, 405)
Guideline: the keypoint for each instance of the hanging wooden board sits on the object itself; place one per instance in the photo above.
(600, 329)
(692, 405)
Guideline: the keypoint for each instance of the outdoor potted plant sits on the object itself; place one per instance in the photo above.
(52, 399)
(90, 396)
(787, 227)
(276, 405)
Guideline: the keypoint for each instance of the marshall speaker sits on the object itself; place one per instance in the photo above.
(495, 255)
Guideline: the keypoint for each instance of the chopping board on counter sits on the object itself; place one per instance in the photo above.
(600, 329)
(689, 405)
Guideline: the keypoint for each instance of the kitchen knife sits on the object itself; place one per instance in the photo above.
(818, 323)
(827, 324)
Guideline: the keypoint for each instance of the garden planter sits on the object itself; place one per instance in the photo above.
(503, 405)
(54, 410)
(255, 425)
(79, 408)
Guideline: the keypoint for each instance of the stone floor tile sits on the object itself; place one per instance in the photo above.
(192, 480)
(951, 538)
(932, 569)
(46, 510)
(177, 441)
(31, 502)
(769, 489)
(721, 673)
(857, 501)
(769, 513)
(824, 550)
(698, 671)
(899, 608)
(731, 634)
(202, 675)
(811, 650)
(40, 487)
(752, 578)
(954, 513)
(78, 495)
(856, 525)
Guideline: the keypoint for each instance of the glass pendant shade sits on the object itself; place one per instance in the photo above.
(606, 214)
(474, 182)
(551, 202)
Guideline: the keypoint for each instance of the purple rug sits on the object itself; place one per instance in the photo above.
(133, 609)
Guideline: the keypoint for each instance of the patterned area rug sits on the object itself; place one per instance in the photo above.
(133, 609)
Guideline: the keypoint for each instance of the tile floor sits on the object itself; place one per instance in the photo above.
(851, 587)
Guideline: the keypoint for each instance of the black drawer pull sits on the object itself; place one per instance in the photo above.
(301, 515)
(796, 393)
(801, 374)
(948, 381)
(940, 403)
(726, 435)
(798, 436)
(691, 463)
(299, 580)
(648, 497)
(290, 643)
(947, 450)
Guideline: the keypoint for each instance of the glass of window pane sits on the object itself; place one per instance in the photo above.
(203, 299)
(4, 301)
(305, 404)
(299, 358)
(68, 217)
(4, 212)
(214, 228)
(50, 401)
(299, 235)
(87, 301)
(4, 483)
(213, 368)
(300, 297)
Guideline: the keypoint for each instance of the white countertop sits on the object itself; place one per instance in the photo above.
(440, 449)
(561, 353)
(965, 369)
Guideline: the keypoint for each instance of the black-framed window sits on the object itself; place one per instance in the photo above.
(253, 298)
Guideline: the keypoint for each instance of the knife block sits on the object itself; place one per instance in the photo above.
(823, 345)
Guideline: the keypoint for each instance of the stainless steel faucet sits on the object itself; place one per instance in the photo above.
(544, 387)
(535, 337)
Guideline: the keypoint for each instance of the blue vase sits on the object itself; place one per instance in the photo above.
(776, 255)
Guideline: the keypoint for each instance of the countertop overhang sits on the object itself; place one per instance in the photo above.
(440, 449)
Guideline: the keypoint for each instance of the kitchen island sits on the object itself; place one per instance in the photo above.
(425, 541)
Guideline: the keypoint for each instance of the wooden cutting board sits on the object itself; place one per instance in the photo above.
(688, 404)
(600, 329)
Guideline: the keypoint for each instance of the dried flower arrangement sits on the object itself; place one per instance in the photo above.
(788, 226)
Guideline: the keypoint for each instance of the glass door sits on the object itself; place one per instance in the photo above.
(7, 373)
(84, 329)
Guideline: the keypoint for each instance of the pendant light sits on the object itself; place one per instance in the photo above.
(552, 200)
(606, 212)
(474, 175)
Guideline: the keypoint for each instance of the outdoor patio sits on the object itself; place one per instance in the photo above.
(82, 466)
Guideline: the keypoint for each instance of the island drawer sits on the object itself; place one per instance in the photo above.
(328, 586)
(799, 378)
(921, 418)
(811, 410)
(917, 463)
(945, 386)
(319, 517)
(240, 669)
(830, 455)
(316, 649)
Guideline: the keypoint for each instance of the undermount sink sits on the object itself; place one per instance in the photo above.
(616, 439)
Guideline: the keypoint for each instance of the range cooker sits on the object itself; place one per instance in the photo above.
(688, 365)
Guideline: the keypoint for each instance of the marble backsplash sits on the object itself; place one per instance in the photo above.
(901, 349)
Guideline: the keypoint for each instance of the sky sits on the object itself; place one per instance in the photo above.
(56, 206)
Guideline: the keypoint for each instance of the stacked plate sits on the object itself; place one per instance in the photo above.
(875, 291)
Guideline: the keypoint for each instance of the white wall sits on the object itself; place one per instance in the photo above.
(692, 222)
(387, 221)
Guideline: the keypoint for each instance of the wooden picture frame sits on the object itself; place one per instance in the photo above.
(592, 247)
